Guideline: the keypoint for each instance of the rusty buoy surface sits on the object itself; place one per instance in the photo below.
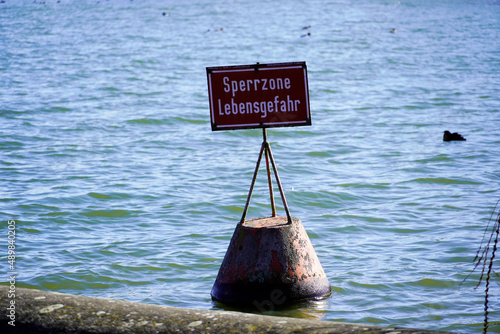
(270, 260)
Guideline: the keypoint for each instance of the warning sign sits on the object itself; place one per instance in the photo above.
(258, 96)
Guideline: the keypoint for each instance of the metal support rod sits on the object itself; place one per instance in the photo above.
(253, 184)
(282, 193)
(269, 180)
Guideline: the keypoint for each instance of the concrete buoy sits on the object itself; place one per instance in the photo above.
(270, 262)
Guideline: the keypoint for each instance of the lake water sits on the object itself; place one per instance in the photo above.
(120, 189)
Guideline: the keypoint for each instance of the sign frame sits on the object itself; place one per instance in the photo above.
(226, 85)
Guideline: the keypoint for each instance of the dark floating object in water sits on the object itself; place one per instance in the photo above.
(216, 30)
(306, 27)
(393, 31)
(452, 136)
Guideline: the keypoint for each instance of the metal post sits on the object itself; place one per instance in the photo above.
(266, 149)
(282, 193)
(271, 194)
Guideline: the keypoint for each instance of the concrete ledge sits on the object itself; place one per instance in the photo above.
(51, 312)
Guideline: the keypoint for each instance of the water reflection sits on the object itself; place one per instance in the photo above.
(311, 309)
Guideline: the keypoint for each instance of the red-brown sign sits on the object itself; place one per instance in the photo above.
(258, 96)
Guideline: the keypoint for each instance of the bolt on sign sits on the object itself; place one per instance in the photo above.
(258, 96)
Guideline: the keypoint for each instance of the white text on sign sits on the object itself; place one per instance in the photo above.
(263, 107)
(234, 86)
